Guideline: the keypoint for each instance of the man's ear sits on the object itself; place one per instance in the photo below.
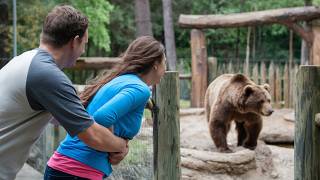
(266, 87)
(75, 41)
(248, 90)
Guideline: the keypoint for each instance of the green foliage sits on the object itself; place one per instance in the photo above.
(98, 13)
(30, 16)
(122, 26)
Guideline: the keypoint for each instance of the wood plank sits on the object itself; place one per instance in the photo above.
(263, 72)
(287, 86)
(278, 86)
(167, 129)
(255, 73)
(199, 68)
(212, 69)
(272, 82)
(307, 141)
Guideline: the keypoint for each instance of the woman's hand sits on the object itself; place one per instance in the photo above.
(116, 157)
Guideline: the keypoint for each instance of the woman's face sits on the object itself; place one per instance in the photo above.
(160, 69)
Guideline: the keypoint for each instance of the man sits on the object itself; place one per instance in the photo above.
(33, 89)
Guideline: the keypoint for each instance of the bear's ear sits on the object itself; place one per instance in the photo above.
(266, 87)
(248, 90)
(239, 78)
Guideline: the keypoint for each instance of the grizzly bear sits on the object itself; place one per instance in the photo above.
(235, 97)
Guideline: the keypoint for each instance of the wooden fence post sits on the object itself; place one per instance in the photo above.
(263, 73)
(166, 131)
(278, 86)
(212, 69)
(199, 68)
(307, 134)
(255, 73)
(315, 55)
(272, 82)
(286, 87)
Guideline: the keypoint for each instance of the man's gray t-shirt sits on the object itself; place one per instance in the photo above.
(33, 89)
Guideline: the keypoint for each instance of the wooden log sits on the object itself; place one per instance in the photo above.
(307, 141)
(255, 73)
(249, 18)
(199, 68)
(166, 132)
(95, 63)
(263, 72)
(212, 69)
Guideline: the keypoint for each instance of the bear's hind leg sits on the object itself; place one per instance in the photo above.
(253, 129)
(242, 134)
(218, 131)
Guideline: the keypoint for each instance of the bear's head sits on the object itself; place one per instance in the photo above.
(256, 99)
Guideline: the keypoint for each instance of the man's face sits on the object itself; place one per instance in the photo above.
(79, 45)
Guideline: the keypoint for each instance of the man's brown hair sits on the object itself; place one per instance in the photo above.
(62, 24)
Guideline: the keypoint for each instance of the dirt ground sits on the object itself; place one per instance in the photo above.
(194, 134)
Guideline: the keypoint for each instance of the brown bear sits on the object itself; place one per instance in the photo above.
(235, 97)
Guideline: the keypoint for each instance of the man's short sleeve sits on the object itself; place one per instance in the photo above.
(51, 90)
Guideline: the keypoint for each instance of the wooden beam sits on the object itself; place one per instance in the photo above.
(95, 63)
(250, 18)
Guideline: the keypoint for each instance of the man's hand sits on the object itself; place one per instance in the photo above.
(116, 157)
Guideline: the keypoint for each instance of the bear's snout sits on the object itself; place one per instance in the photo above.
(267, 111)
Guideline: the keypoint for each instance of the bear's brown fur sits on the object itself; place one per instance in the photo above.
(235, 97)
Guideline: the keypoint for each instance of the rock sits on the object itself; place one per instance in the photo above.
(289, 117)
(214, 162)
(276, 130)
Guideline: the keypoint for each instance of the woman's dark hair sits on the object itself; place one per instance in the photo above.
(139, 58)
(62, 24)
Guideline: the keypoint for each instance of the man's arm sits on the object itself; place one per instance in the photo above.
(102, 139)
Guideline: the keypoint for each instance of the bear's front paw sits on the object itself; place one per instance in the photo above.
(251, 147)
(225, 150)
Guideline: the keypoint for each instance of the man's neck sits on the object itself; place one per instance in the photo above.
(58, 54)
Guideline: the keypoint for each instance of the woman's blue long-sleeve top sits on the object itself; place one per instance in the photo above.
(119, 103)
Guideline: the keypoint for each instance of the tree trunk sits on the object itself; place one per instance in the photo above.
(169, 34)
(4, 19)
(143, 18)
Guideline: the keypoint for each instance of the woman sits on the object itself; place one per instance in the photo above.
(116, 101)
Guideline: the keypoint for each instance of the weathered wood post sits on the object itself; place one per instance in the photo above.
(307, 134)
(212, 69)
(199, 68)
(315, 54)
(166, 130)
